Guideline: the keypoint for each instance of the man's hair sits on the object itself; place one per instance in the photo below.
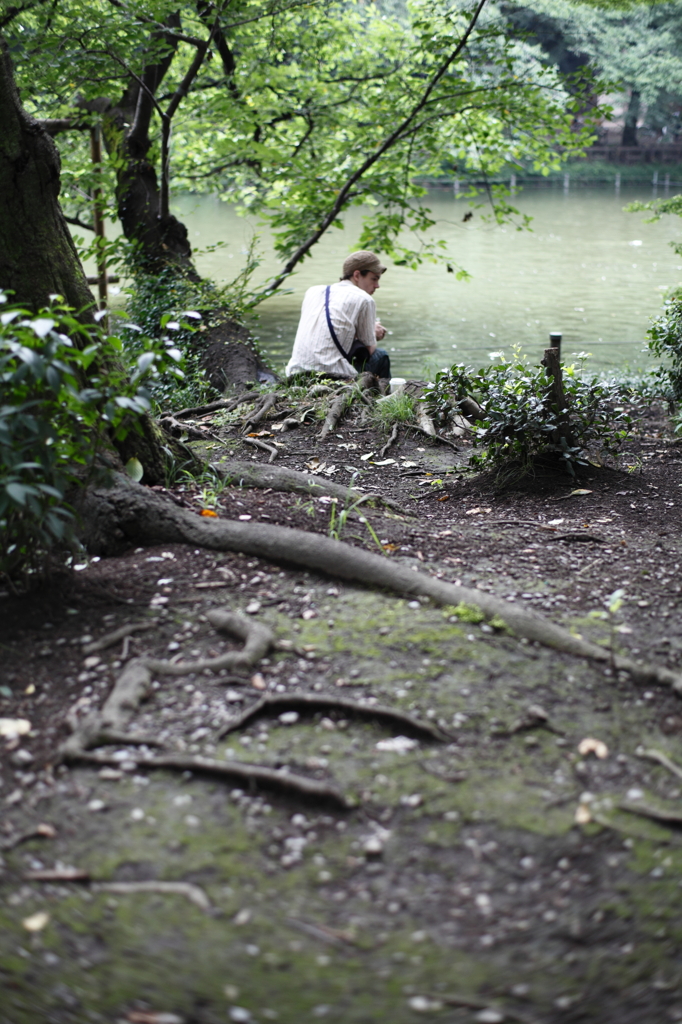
(364, 261)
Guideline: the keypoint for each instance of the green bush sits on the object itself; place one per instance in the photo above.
(65, 395)
(520, 425)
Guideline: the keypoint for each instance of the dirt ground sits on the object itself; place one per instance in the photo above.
(494, 876)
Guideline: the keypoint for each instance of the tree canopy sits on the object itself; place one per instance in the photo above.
(295, 110)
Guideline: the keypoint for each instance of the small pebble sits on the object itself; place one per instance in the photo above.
(97, 805)
(289, 717)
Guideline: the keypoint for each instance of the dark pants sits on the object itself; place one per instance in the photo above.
(378, 363)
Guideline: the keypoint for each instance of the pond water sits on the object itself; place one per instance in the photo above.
(587, 269)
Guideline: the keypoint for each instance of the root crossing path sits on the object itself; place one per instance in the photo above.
(143, 517)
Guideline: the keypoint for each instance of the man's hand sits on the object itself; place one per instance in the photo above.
(379, 330)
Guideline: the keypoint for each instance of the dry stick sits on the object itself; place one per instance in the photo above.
(190, 891)
(660, 758)
(434, 436)
(249, 474)
(57, 875)
(279, 779)
(321, 932)
(336, 410)
(146, 517)
(109, 639)
(273, 453)
(392, 439)
(311, 702)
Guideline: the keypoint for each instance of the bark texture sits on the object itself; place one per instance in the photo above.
(37, 254)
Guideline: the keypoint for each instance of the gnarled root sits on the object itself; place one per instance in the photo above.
(309, 703)
(146, 518)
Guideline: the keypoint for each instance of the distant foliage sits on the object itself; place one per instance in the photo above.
(65, 393)
(519, 423)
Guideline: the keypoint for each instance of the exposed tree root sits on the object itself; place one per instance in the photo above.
(227, 405)
(336, 410)
(278, 779)
(256, 443)
(659, 758)
(424, 421)
(258, 640)
(309, 703)
(392, 439)
(653, 813)
(258, 414)
(109, 639)
(248, 474)
(144, 517)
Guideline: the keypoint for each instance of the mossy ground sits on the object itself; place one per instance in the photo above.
(459, 887)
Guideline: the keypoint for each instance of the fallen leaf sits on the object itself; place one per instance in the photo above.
(260, 433)
(444, 497)
(309, 613)
(367, 456)
(384, 462)
(10, 728)
(36, 922)
(208, 512)
(151, 1017)
(46, 830)
(556, 522)
(397, 744)
(390, 547)
(591, 746)
(134, 469)
(582, 814)
(257, 681)
(31, 688)
(577, 492)
(477, 511)
(408, 464)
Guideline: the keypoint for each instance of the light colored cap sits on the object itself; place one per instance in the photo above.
(362, 260)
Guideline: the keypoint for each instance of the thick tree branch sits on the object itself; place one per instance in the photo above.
(402, 129)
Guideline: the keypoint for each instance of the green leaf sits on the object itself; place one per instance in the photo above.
(134, 469)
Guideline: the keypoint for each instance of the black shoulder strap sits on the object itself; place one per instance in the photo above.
(330, 324)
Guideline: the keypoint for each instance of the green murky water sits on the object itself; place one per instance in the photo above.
(587, 269)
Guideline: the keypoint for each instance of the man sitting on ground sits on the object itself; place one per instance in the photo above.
(338, 330)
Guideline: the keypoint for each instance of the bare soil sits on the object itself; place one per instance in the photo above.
(493, 877)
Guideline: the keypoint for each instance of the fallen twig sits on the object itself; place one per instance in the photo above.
(109, 639)
(192, 892)
(279, 779)
(322, 932)
(392, 439)
(263, 447)
(660, 758)
(579, 537)
(311, 702)
(42, 831)
(57, 875)
(434, 437)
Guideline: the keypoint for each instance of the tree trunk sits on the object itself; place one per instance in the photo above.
(631, 116)
(37, 254)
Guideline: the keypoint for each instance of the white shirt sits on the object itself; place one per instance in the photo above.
(353, 314)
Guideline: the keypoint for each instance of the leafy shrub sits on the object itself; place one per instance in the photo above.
(665, 341)
(64, 394)
(519, 423)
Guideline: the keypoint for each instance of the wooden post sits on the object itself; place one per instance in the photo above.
(555, 397)
(96, 157)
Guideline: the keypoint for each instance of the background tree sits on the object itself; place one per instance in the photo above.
(636, 47)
